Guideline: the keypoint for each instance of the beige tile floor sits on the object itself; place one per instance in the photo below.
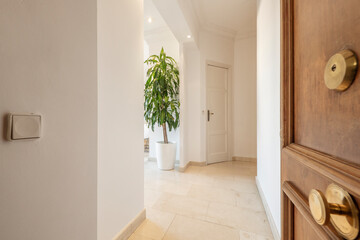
(216, 202)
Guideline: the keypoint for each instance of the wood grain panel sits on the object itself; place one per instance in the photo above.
(297, 185)
(335, 171)
(287, 217)
(320, 128)
(305, 220)
(325, 120)
(287, 73)
(302, 226)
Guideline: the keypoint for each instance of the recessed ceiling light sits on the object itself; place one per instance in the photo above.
(149, 19)
(188, 36)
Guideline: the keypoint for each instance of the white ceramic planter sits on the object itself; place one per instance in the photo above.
(166, 155)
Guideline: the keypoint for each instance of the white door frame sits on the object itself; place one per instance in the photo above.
(230, 104)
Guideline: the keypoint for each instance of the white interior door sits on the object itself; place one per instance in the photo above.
(217, 114)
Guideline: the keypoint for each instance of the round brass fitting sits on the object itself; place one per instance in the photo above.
(337, 207)
(340, 70)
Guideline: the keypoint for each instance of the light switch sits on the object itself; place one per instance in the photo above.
(23, 126)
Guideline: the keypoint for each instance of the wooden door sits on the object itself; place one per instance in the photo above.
(217, 103)
(320, 127)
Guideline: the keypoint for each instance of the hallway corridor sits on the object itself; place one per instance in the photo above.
(216, 202)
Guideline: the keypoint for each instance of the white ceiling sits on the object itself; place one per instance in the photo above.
(157, 21)
(231, 16)
(167, 16)
(226, 17)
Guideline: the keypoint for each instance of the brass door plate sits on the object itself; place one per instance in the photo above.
(340, 70)
(319, 207)
(346, 224)
(337, 207)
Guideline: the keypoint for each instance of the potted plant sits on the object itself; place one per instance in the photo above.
(162, 104)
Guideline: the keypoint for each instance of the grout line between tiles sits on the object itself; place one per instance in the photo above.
(169, 227)
(203, 176)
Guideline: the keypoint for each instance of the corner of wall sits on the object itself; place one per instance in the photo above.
(131, 227)
(268, 105)
(270, 217)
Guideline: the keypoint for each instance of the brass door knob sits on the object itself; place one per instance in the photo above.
(337, 207)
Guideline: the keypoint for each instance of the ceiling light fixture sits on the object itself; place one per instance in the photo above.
(188, 36)
(149, 19)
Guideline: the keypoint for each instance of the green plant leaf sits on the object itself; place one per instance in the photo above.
(161, 93)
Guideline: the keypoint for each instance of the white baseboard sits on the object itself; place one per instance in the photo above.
(154, 159)
(199, 164)
(129, 229)
(183, 169)
(274, 230)
(244, 159)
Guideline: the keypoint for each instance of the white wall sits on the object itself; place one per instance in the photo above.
(191, 103)
(163, 38)
(213, 48)
(240, 56)
(120, 164)
(156, 40)
(172, 11)
(244, 98)
(48, 66)
(190, 19)
(218, 49)
(146, 55)
(209, 46)
(268, 103)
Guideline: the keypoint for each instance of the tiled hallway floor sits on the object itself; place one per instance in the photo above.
(216, 202)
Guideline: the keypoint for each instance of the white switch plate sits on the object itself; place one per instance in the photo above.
(23, 126)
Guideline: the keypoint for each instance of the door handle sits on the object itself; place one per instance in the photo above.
(208, 115)
(337, 207)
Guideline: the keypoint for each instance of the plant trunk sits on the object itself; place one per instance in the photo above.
(165, 133)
